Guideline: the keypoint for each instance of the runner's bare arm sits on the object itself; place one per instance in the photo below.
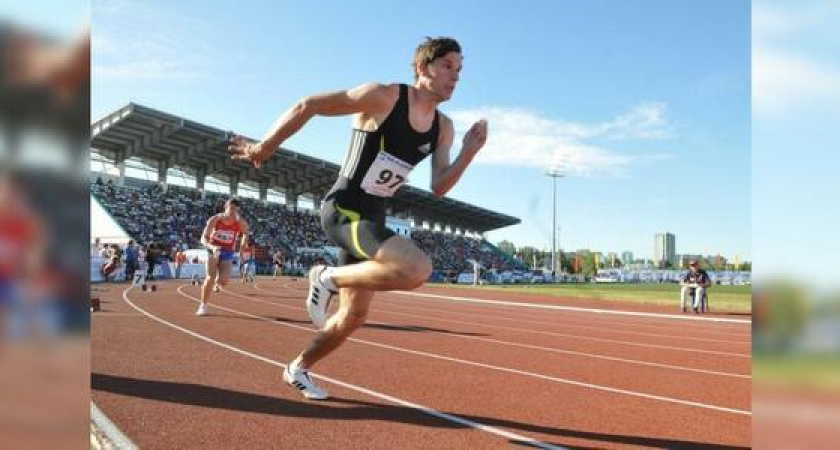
(243, 226)
(444, 174)
(206, 236)
(370, 98)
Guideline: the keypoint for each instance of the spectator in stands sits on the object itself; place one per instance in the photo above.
(132, 262)
(180, 259)
(273, 225)
(95, 247)
(694, 284)
(152, 255)
(278, 263)
(114, 257)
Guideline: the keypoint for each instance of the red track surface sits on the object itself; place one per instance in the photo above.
(572, 379)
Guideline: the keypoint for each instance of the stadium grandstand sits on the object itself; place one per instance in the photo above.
(160, 177)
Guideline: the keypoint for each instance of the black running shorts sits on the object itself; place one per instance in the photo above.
(357, 227)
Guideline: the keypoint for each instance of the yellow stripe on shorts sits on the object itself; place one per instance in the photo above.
(354, 228)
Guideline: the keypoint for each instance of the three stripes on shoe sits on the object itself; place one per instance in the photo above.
(297, 383)
(317, 293)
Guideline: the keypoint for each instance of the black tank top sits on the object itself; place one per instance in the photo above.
(378, 162)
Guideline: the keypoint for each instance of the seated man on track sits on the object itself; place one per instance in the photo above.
(694, 284)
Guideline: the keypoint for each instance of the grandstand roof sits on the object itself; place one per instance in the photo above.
(155, 137)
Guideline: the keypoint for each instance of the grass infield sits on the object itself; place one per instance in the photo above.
(721, 298)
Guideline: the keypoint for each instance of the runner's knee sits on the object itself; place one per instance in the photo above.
(416, 272)
(350, 319)
(356, 318)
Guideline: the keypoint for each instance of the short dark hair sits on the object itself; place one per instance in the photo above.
(433, 48)
(234, 201)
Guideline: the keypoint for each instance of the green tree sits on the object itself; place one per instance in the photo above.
(528, 254)
(507, 247)
(589, 268)
(567, 263)
(543, 258)
(782, 311)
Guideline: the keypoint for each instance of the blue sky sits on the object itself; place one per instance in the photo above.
(646, 102)
(796, 111)
(62, 19)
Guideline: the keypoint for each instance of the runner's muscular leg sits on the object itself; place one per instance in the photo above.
(353, 308)
(212, 266)
(223, 276)
(397, 265)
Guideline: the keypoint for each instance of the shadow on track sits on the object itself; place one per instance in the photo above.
(345, 409)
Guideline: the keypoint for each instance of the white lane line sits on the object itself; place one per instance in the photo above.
(100, 314)
(587, 338)
(372, 393)
(634, 322)
(584, 327)
(574, 308)
(571, 336)
(515, 305)
(533, 347)
(116, 438)
(492, 367)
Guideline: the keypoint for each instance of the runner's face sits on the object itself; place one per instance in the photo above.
(231, 209)
(444, 73)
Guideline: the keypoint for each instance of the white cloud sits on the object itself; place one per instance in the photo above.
(788, 72)
(784, 81)
(646, 121)
(769, 22)
(133, 41)
(524, 138)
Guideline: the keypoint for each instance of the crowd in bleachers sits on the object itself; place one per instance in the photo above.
(175, 218)
(452, 252)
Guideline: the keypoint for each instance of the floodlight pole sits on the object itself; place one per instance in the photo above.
(555, 174)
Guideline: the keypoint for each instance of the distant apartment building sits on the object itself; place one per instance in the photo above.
(665, 250)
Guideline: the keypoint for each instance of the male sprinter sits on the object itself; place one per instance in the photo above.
(220, 239)
(278, 263)
(396, 126)
(247, 260)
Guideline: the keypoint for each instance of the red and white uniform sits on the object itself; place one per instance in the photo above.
(246, 252)
(17, 234)
(225, 233)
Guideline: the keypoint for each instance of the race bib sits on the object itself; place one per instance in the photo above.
(224, 236)
(386, 175)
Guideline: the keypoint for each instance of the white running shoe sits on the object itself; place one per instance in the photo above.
(216, 288)
(202, 310)
(300, 380)
(318, 300)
